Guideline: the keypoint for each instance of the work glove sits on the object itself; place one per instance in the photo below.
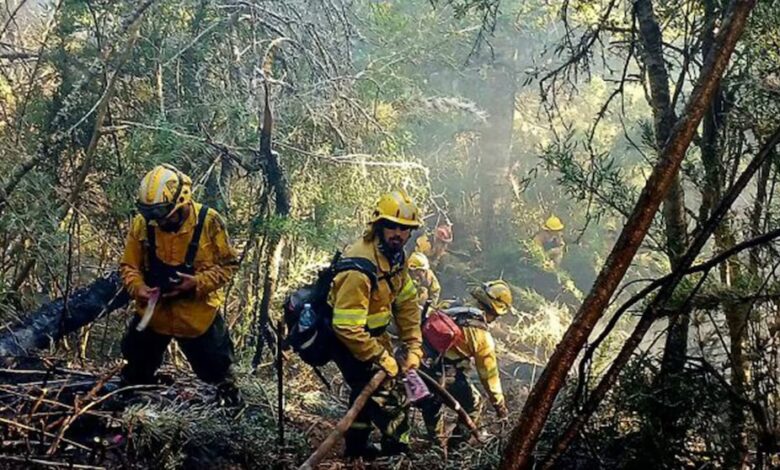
(501, 410)
(411, 361)
(145, 293)
(388, 363)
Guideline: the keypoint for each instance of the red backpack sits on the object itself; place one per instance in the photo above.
(441, 331)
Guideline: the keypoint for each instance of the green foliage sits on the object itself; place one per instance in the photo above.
(367, 97)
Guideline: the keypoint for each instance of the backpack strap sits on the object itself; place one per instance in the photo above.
(192, 248)
(468, 317)
(389, 275)
(151, 246)
(362, 265)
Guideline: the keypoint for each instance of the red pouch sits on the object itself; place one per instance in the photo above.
(441, 331)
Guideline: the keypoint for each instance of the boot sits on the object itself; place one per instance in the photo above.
(228, 395)
(393, 447)
(368, 452)
(356, 445)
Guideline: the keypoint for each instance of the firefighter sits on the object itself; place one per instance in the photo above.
(442, 239)
(428, 288)
(178, 252)
(550, 239)
(437, 249)
(361, 315)
(490, 301)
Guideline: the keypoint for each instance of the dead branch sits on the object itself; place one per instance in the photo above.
(51, 322)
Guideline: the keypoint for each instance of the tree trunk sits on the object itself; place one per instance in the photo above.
(273, 261)
(217, 187)
(757, 213)
(736, 313)
(518, 454)
(664, 293)
(494, 148)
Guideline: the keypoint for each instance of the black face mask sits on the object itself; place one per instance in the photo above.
(170, 225)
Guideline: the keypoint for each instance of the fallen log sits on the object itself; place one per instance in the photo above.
(53, 320)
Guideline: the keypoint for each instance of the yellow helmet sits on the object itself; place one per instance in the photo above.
(496, 295)
(422, 245)
(419, 261)
(163, 190)
(553, 224)
(397, 207)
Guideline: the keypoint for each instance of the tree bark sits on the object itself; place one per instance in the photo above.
(667, 289)
(277, 180)
(525, 435)
(735, 312)
(47, 324)
(757, 213)
(676, 224)
(217, 187)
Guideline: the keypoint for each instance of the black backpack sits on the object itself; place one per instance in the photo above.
(313, 343)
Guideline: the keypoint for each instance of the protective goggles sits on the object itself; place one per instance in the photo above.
(155, 211)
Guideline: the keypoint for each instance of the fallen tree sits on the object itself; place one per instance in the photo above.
(62, 316)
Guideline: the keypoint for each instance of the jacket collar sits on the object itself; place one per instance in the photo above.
(189, 224)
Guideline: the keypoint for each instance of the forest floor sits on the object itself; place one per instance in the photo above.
(55, 414)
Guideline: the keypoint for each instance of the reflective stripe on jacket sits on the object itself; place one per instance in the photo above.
(215, 263)
(360, 314)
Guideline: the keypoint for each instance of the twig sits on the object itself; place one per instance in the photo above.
(232, 18)
(48, 434)
(81, 411)
(50, 463)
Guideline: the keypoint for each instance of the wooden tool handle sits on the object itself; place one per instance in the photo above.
(450, 401)
(345, 422)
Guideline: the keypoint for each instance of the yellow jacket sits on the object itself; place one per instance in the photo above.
(479, 344)
(428, 287)
(361, 315)
(215, 263)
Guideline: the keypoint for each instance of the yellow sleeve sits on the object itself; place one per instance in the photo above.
(350, 296)
(484, 350)
(215, 275)
(435, 291)
(131, 265)
(407, 316)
